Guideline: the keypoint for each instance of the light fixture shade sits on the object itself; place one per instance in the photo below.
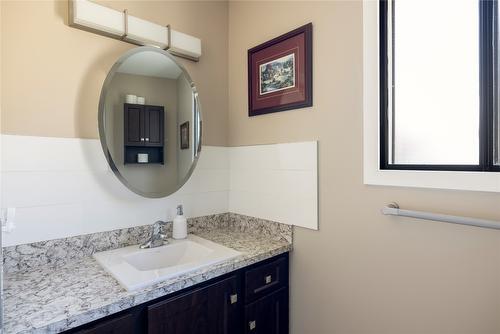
(146, 33)
(186, 45)
(91, 16)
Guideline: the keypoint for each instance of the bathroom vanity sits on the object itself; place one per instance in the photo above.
(253, 299)
(69, 290)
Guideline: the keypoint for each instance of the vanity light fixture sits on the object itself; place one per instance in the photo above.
(92, 17)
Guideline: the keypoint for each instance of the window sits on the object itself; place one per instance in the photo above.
(438, 85)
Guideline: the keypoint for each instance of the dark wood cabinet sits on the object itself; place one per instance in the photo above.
(134, 125)
(246, 301)
(210, 310)
(266, 278)
(123, 324)
(143, 132)
(153, 119)
(268, 315)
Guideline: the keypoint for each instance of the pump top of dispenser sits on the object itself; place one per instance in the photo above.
(180, 211)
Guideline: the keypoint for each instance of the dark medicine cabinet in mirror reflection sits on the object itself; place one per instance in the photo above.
(143, 133)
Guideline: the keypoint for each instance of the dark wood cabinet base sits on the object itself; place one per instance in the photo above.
(268, 315)
(207, 310)
(251, 300)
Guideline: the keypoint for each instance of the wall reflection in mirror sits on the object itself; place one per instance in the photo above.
(150, 122)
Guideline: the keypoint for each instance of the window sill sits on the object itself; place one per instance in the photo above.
(472, 181)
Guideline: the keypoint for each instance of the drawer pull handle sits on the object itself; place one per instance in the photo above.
(147, 139)
(268, 279)
(233, 298)
(252, 325)
(142, 139)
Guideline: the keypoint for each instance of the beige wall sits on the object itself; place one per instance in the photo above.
(52, 74)
(363, 272)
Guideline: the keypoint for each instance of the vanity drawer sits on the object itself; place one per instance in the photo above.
(266, 278)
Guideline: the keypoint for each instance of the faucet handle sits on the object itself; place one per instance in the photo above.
(156, 227)
(156, 232)
(156, 238)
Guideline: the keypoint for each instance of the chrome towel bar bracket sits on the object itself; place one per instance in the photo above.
(393, 209)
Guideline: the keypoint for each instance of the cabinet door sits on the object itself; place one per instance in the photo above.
(120, 325)
(154, 126)
(209, 310)
(134, 125)
(268, 315)
(227, 306)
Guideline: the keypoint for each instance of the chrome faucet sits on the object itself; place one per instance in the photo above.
(157, 238)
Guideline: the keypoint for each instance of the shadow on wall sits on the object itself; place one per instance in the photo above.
(61, 10)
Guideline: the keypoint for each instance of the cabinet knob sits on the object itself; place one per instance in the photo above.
(142, 139)
(234, 298)
(252, 325)
(268, 279)
(147, 139)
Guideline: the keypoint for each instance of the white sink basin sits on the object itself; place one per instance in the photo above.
(136, 268)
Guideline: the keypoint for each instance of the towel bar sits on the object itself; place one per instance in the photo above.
(393, 209)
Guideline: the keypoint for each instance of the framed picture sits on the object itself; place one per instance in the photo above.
(185, 135)
(280, 73)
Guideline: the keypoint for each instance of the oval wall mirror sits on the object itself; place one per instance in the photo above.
(150, 122)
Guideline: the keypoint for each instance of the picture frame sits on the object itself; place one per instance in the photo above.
(280, 73)
(184, 134)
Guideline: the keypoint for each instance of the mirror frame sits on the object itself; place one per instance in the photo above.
(101, 123)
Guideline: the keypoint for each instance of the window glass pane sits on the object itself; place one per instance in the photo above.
(435, 115)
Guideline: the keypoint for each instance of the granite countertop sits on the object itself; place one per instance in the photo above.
(51, 300)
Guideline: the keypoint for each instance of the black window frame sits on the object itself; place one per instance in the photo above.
(488, 88)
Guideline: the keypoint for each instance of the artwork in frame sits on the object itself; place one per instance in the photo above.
(280, 73)
(185, 135)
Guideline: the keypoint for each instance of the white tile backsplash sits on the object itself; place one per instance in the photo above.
(63, 187)
(286, 156)
(30, 153)
(276, 182)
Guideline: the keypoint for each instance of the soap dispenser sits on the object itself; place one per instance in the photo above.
(180, 224)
